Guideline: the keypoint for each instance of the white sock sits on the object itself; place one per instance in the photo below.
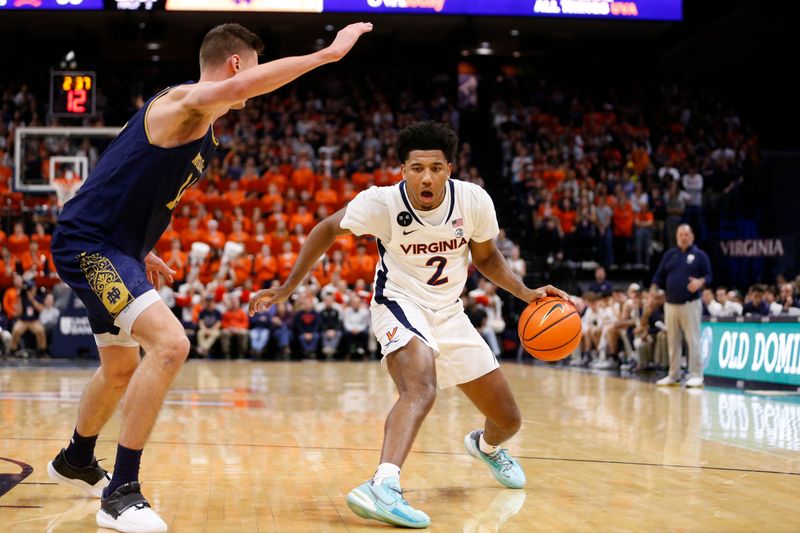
(485, 447)
(385, 470)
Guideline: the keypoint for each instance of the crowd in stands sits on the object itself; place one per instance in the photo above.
(609, 180)
(284, 163)
(599, 182)
(625, 329)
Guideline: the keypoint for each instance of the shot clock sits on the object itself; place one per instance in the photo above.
(72, 93)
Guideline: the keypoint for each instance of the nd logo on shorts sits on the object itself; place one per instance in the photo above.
(106, 282)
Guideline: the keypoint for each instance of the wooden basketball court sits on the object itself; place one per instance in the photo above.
(261, 447)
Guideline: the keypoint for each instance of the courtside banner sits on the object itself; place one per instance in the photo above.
(768, 352)
(640, 9)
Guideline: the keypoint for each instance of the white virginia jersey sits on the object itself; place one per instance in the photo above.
(423, 262)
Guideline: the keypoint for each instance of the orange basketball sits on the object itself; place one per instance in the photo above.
(550, 328)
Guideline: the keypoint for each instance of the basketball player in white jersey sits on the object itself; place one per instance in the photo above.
(426, 227)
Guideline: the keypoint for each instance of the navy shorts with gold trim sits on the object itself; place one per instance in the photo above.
(102, 276)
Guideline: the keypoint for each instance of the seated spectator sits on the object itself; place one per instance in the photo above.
(49, 316)
(306, 328)
(209, 326)
(356, 328)
(786, 304)
(728, 307)
(330, 326)
(282, 322)
(18, 242)
(235, 323)
(260, 329)
(755, 304)
(601, 286)
(711, 307)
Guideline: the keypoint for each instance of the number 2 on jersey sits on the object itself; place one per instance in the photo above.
(440, 263)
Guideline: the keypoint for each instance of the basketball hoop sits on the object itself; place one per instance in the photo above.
(66, 188)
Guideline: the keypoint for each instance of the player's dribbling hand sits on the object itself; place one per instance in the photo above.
(155, 267)
(548, 290)
(262, 300)
(346, 39)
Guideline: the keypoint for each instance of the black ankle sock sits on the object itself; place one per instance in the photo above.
(80, 451)
(126, 468)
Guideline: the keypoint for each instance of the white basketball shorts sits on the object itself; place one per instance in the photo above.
(461, 353)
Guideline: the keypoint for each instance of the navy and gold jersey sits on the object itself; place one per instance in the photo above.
(129, 197)
(105, 231)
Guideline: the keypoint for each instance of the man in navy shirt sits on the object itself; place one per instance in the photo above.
(601, 285)
(683, 272)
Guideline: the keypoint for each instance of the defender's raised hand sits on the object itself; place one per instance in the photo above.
(346, 39)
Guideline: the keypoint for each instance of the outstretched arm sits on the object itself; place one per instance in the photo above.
(491, 263)
(319, 240)
(266, 78)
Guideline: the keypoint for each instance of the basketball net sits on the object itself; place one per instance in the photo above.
(66, 187)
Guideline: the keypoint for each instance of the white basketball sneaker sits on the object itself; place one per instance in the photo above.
(668, 381)
(126, 510)
(696, 381)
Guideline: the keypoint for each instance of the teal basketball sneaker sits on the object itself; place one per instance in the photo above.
(385, 503)
(505, 468)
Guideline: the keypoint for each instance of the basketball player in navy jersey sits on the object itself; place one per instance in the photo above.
(427, 227)
(102, 250)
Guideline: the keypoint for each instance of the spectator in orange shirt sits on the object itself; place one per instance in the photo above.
(339, 265)
(566, 216)
(265, 267)
(238, 234)
(303, 178)
(181, 222)
(18, 242)
(274, 177)
(191, 234)
(234, 195)
(361, 178)
(348, 192)
(165, 241)
(235, 323)
(643, 222)
(286, 261)
(11, 296)
(344, 243)
(303, 218)
(279, 236)
(242, 267)
(177, 260)
(362, 266)
(210, 269)
(327, 196)
(258, 239)
(623, 229)
(298, 238)
(238, 214)
(273, 196)
(39, 237)
(213, 237)
(277, 216)
(547, 209)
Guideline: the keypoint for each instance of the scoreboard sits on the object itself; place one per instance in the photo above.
(72, 93)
